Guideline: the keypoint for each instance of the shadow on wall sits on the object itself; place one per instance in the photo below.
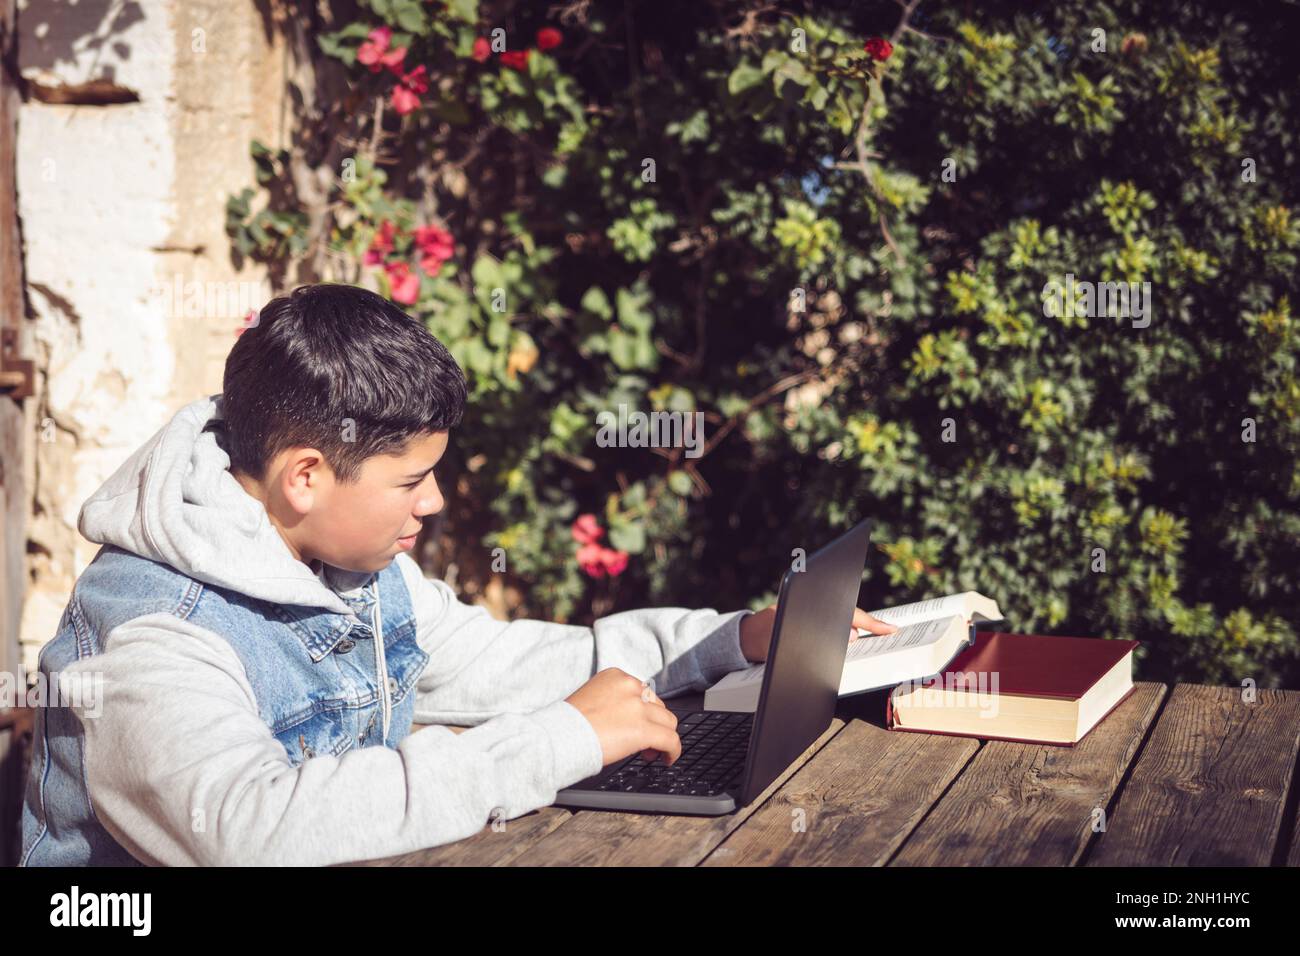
(60, 38)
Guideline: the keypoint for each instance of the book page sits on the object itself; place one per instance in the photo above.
(954, 605)
(906, 637)
(750, 675)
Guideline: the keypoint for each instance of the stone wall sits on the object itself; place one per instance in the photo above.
(135, 127)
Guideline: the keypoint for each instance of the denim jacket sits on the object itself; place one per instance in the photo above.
(213, 700)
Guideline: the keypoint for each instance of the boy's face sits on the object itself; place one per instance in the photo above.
(357, 527)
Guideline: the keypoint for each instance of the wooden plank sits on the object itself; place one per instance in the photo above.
(1210, 785)
(1293, 858)
(13, 493)
(601, 838)
(1020, 804)
(853, 804)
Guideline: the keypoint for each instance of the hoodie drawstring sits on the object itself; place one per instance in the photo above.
(382, 664)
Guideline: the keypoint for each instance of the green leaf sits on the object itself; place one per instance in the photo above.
(632, 311)
(629, 537)
(622, 350)
(466, 10)
(408, 15)
(498, 332)
(595, 301)
(743, 77)
(792, 71)
(487, 275)
(680, 483)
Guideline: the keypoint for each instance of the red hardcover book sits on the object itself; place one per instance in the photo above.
(1053, 690)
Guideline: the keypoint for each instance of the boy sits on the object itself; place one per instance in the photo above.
(245, 657)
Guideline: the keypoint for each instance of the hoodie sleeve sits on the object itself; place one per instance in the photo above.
(479, 666)
(182, 770)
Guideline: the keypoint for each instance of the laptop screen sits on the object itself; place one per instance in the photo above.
(810, 636)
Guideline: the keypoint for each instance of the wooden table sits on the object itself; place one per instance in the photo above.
(1190, 777)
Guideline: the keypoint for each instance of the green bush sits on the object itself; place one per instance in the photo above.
(840, 261)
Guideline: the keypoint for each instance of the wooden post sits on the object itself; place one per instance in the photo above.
(13, 495)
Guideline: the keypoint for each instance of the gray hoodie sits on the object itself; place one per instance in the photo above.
(183, 716)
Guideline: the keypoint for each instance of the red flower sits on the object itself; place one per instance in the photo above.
(436, 247)
(404, 101)
(373, 49)
(393, 60)
(482, 49)
(404, 282)
(406, 94)
(375, 54)
(879, 49)
(591, 561)
(434, 241)
(381, 245)
(615, 562)
(515, 59)
(597, 561)
(417, 79)
(548, 38)
(585, 530)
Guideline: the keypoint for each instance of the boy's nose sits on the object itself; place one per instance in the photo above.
(429, 506)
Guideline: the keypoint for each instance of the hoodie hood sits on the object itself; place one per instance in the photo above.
(175, 501)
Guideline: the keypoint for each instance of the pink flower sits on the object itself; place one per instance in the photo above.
(436, 246)
(417, 79)
(405, 283)
(595, 559)
(375, 54)
(482, 49)
(393, 60)
(373, 49)
(586, 530)
(404, 101)
(591, 560)
(615, 562)
(406, 94)
(250, 321)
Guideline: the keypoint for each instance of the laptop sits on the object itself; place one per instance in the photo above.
(728, 758)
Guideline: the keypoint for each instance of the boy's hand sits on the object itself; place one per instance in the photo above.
(756, 630)
(627, 717)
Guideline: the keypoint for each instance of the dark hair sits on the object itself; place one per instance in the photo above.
(331, 362)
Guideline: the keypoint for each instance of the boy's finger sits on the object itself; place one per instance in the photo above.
(667, 743)
(863, 620)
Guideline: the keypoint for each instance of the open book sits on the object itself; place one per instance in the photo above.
(930, 634)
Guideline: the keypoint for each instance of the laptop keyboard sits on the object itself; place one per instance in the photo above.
(714, 746)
